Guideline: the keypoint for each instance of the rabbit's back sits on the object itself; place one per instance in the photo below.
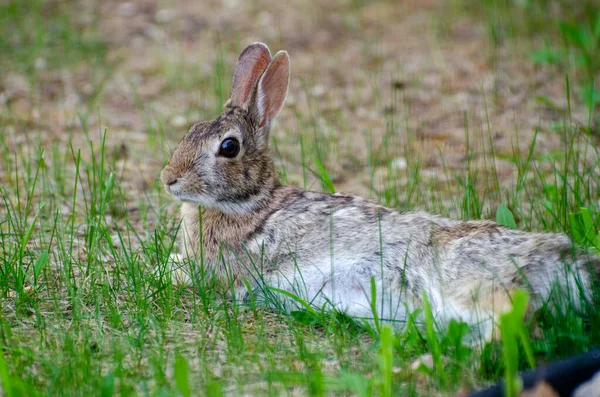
(328, 240)
(316, 229)
(334, 245)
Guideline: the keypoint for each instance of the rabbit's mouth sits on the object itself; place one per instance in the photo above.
(174, 188)
(178, 193)
(178, 189)
(198, 199)
(229, 207)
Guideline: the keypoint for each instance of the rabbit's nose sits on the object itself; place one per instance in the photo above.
(170, 181)
(168, 178)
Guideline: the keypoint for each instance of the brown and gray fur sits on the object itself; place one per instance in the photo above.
(326, 248)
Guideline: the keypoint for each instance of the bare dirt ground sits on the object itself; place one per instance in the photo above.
(415, 72)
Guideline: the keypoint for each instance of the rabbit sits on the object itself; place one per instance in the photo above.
(341, 250)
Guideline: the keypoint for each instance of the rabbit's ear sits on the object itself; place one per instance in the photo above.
(272, 88)
(250, 66)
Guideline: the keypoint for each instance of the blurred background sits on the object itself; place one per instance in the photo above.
(378, 88)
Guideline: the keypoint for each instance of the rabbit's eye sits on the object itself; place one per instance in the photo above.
(230, 148)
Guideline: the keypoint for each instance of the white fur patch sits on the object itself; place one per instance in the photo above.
(229, 208)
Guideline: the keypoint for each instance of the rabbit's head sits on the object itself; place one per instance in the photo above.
(224, 163)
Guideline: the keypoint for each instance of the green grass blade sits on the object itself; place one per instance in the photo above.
(505, 217)
(182, 380)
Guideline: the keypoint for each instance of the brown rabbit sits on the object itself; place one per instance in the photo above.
(327, 249)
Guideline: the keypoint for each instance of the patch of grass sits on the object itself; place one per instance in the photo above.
(79, 279)
(88, 306)
(41, 34)
(563, 34)
(513, 331)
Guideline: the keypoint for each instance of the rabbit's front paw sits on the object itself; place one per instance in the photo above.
(179, 271)
(175, 268)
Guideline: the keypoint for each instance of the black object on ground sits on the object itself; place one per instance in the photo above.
(564, 376)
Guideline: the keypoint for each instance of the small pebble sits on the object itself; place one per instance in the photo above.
(178, 121)
(399, 163)
(40, 63)
(126, 9)
(165, 15)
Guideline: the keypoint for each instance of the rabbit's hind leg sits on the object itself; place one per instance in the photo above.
(481, 308)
